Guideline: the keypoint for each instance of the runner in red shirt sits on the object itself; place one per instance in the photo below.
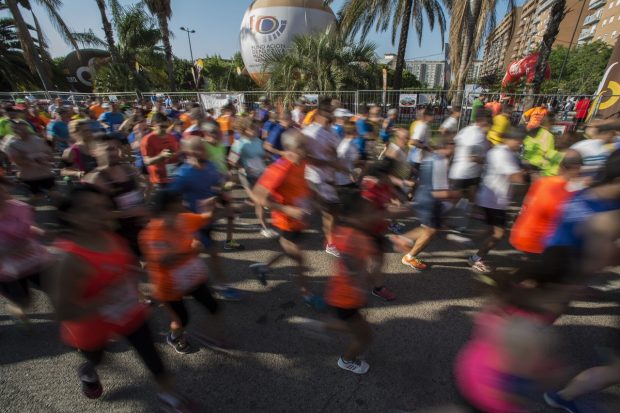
(159, 150)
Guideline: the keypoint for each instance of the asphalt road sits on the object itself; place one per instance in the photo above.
(275, 368)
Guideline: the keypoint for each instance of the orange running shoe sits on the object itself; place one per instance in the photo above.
(414, 263)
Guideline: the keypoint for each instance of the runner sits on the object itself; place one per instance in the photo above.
(58, 130)
(93, 287)
(120, 183)
(174, 264)
(32, 158)
(78, 159)
(159, 151)
(199, 179)
(500, 171)
(322, 157)
(22, 257)
(449, 127)
(388, 125)
(349, 157)
(273, 143)
(420, 136)
(248, 152)
(595, 151)
(501, 124)
(283, 189)
(345, 290)
(539, 148)
(432, 191)
(111, 119)
(298, 113)
(534, 116)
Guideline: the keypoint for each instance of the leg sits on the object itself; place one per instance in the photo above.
(203, 296)
(293, 251)
(179, 315)
(495, 236)
(142, 342)
(592, 380)
(424, 237)
(362, 336)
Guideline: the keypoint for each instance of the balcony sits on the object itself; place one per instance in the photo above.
(585, 35)
(595, 4)
(593, 18)
(544, 4)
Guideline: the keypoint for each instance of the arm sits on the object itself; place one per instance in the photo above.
(517, 178)
(262, 196)
(151, 158)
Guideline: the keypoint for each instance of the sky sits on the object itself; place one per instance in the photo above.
(217, 25)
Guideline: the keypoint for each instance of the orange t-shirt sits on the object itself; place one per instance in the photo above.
(536, 116)
(539, 214)
(287, 184)
(186, 119)
(309, 117)
(152, 145)
(97, 110)
(495, 107)
(226, 127)
(157, 240)
(347, 287)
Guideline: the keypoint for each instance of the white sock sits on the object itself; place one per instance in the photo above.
(409, 256)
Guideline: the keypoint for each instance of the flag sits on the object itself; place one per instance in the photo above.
(607, 100)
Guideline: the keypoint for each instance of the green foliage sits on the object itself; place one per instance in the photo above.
(323, 62)
(219, 74)
(583, 71)
(409, 81)
(120, 78)
(14, 72)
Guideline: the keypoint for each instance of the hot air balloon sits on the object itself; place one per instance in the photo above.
(80, 71)
(271, 25)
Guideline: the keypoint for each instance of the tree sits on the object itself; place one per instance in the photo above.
(471, 21)
(163, 11)
(322, 62)
(14, 72)
(556, 15)
(359, 16)
(33, 54)
(107, 29)
(584, 68)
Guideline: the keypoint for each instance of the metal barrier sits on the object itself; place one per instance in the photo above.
(562, 105)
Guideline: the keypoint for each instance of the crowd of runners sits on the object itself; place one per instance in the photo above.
(137, 189)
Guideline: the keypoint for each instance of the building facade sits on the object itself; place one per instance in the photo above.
(499, 44)
(431, 72)
(602, 22)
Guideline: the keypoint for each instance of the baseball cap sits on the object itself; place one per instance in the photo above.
(342, 113)
(105, 105)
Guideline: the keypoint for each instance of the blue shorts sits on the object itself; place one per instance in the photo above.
(429, 214)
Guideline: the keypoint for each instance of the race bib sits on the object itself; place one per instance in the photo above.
(125, 301)
(128, 200)
(255, 166)
(189, 275)
(171, 169)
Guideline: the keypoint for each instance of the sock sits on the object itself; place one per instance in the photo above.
(409, 256)
(476, 257)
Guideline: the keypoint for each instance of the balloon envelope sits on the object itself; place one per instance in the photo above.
(271, 25)
(80, 70)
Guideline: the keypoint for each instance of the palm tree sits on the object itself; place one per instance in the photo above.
(14, 72)
(322, 62)
(471, 21)
(163, 11)
(558, 10)
(359, 16)
(107, 28)
(32, 53)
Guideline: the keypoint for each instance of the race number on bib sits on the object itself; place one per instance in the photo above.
(189, 275)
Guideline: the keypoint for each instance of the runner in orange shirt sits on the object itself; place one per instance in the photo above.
(347, 289)
(283, 189)
(543, 205)
(174, 264)
(534, 116)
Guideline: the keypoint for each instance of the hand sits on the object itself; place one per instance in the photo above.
(166, 153)
(294, 212)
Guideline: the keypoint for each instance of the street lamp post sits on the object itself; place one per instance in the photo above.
(191, 54)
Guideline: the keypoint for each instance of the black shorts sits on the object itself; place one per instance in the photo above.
(495, 217)
(39, 186)
(381, 243)
(18, 290)
(292, 236)
(430, 215)
(463, 184)
(345, 314)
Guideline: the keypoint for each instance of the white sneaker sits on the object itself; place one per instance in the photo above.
(268, 233)
(356, 366)
(331, 249)
(479, 266)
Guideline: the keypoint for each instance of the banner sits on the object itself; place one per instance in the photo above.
(311, 100)
(216, 101)
(607, 100)
(408, 100)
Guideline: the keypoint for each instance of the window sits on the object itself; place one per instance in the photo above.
(614, 33)
(611, 19)
(618, 3)
(611, 5)
(604, 22)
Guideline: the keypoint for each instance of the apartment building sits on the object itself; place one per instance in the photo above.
(499, 43)
(431, 72)
(602, 22)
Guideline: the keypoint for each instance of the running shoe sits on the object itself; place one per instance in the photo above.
(233, 245)
(180, 344)
(91, 386)
(555, 400)
(414, 263)
(384, 293)
(315, 301)
(228, 293)
(268, 233)
(331, 249)
(479, 265)
(356, 366)
(260, 271)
